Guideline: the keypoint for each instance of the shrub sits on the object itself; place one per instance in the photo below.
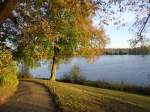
(25, 76)
(66, 77)
(8, 77)
(24, 71)
(8, 80)
(74, 76)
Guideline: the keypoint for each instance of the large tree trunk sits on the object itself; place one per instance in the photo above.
(54, 69)
(55, 62)
(6, 9)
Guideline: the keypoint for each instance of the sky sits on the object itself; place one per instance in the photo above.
(119, 36)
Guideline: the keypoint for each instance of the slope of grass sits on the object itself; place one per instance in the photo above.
(8, 71)
(8, 85)
(79, 98)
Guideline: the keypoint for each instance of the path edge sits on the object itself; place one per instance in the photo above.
(51, 94)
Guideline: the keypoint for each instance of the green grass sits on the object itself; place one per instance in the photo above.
(79, 98)
(143, 90)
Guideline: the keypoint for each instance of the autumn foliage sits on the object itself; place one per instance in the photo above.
(67, 30)
(56, 29)
(8, 76)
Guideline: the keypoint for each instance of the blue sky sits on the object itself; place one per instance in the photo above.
(120, 36)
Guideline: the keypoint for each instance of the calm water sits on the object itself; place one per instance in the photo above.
(127, 68)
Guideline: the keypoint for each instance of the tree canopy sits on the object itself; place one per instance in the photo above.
(106, 11)
(69, 31)
(53, 29)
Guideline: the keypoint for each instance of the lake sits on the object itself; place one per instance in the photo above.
(131, 69)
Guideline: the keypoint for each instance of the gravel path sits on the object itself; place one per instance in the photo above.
(30, 97)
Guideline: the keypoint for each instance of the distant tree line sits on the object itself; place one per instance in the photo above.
(143, 50)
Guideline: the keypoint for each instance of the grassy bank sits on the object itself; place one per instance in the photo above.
(79, 98)
(143, 90)
(8, 77)
(76, 76)
(8, 85)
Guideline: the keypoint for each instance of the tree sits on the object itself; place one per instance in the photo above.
(27, 50)
(56, 30)
(140, 48)
(140, 8)
(69, 31)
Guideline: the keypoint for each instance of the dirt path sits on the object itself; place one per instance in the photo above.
(30, 97)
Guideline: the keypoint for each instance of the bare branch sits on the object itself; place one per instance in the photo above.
(143, 27)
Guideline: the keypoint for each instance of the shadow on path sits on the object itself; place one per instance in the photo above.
(30, 97)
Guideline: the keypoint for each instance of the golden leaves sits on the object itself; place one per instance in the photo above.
(70, 28)
(7, 64)
(91, 41)
(47, 29)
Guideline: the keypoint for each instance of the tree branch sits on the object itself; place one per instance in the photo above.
(6, 9)
(143, 27)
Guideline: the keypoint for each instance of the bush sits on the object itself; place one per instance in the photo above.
(25, 76)
(66, 77)
(24, 71)
(7, 68)
(74, 76)
(8, 80)
(8, 77)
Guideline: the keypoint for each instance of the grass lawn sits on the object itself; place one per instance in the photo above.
(79, 98)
